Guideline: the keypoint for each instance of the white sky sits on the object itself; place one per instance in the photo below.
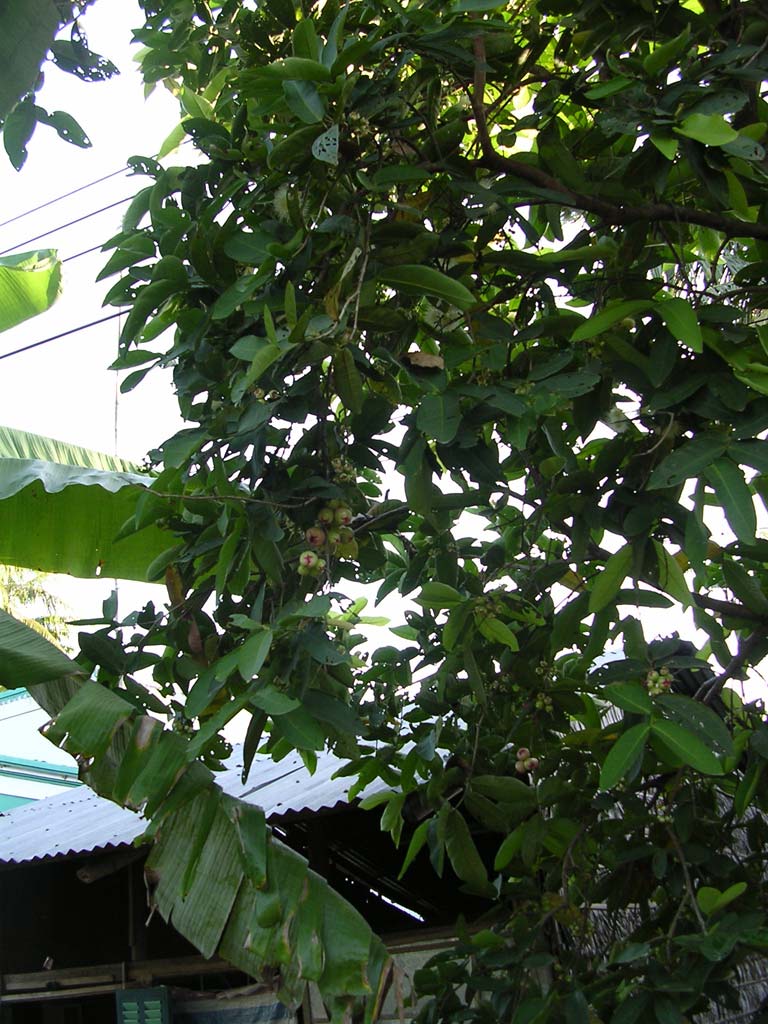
(64, 389)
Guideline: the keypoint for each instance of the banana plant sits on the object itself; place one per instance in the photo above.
(215, 869)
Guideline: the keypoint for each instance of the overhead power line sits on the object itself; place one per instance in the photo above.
(74, 191)
(69, 224)
(64, 334)
(85, 252)
(65, 195)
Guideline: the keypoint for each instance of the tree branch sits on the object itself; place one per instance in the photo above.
(492, 160)
(711, 687)
(728, 608)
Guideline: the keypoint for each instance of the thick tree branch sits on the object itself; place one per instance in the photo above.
(612, 213)
(728, 608)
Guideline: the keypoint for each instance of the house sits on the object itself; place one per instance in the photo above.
(30, 766)
(74, 933)
(77, 947)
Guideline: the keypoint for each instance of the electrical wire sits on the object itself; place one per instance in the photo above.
(55, 337)
(74, 191)
(66, 195)
(85, 252)
(69, 224)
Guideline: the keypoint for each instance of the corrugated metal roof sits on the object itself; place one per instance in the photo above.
(79, 821)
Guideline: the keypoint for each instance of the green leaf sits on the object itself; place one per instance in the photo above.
(26, 34)
(733, 493)
(710, 129)
(745, 587)
(671, 576)
(680, 318)
(271, 700)
(623, 755)
(304, 101)
(298, 69)
(509, 848)
(608, 88)
(454, 628)
(496, 631)
(607, 317)
(630, 697)
(462, 852)
(686, 461)
(747, 788)
(30, 283)
(439, 595)
(666, 145)
(300, 729)
(252, 655)
(347, 380)
(712, 900)
(608, 583)
(65, 126)
(27, 658)
(700, 719)
(17, 131)
(418, 839)
(505, 789)
(686, 747)
(665, 55)
(418, 280)
(576, 1008)
(439, 417)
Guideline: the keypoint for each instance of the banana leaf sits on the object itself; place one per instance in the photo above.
(62, 506)
(217, 873)
(30, 283)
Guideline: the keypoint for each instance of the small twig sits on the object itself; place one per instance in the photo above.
(664, 434)
(568, 859)
(361, 276)
(244, 499)
(711, 687)
(686, 875)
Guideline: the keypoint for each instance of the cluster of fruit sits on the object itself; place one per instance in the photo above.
(525, 763)
(658, 682)
(332, 535)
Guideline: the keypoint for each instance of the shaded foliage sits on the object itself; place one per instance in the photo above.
(489, 258)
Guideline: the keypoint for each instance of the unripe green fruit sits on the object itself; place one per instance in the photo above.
(522, 753)
(334, 537)
(315, 536)
(325, 515)
(520, 767)
(343, 515)
(629, 323)
(531, 764)
(308, 559)
(346, 535)
(303, 570)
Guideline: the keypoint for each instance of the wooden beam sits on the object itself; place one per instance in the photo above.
(65, 981)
